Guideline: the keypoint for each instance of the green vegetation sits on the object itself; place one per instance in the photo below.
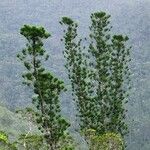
(99, 79)
(4, 142)
(45, 86)
(107, 141)
(78, 74)
(99, 75)
(30, 142)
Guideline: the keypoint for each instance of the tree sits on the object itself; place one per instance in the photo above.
(99, 75)
(120, 84)
(76, 65)
(109, 61)
(46, 87)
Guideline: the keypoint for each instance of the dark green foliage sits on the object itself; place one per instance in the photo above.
(78, 74)
(67, 21)
(67, 142)
(99, 76)
(110, 72)
(99, 54)
(46, 87)
(120, 83)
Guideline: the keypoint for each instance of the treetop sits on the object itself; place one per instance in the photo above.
(31, 32)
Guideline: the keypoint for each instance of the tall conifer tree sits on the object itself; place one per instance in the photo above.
(78, 72)
(109, 61)
(46, 87)
(105, 81)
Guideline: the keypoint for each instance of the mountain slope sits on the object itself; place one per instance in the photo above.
(12, 124)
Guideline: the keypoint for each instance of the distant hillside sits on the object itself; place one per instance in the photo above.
(12, 124)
